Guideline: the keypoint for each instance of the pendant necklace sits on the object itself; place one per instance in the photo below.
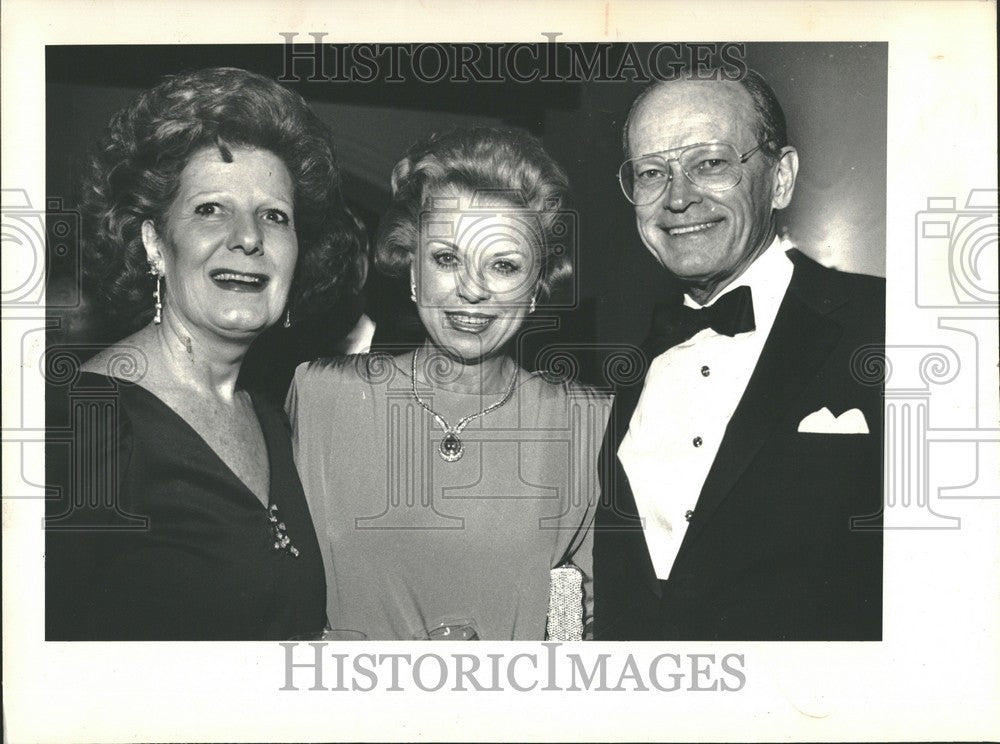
(451, 448)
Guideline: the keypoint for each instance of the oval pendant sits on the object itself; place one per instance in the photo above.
(451, 448)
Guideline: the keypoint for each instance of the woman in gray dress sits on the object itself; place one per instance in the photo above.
(446, 482)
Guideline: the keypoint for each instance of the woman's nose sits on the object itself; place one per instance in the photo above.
(472, 285)
(246, 235)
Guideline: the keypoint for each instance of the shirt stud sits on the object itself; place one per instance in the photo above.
(697, 441)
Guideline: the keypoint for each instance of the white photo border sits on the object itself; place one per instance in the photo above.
(933, 677)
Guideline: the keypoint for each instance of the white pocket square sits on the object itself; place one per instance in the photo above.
(824, 422)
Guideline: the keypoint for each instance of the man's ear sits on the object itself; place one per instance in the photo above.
(784, 177)
(153, 244)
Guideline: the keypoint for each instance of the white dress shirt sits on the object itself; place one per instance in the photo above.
(689, 396)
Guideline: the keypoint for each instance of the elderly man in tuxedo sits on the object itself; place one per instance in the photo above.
(742, 476)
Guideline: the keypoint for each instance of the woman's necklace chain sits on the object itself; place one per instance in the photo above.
(452, 447)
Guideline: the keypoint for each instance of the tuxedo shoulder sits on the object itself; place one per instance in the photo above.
(840, 290)
(861, 292)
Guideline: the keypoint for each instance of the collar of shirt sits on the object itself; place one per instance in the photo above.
(768, 278)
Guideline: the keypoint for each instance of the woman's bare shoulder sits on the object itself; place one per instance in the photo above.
(125, 360)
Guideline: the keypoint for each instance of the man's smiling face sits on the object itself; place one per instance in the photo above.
(706, 238)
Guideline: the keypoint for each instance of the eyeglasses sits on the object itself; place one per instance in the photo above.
(716, 166)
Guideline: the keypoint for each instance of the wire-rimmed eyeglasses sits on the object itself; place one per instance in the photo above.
(716, 166)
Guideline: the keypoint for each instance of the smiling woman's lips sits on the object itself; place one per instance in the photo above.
(471, 322)
(239, 281)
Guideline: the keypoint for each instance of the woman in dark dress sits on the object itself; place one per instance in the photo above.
(211, 210)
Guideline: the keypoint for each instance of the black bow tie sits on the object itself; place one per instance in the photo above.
(673, 324)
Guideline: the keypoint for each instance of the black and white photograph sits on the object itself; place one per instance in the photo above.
(657, 365)
(452, 465)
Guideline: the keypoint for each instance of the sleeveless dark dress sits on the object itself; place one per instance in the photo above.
(150, 535)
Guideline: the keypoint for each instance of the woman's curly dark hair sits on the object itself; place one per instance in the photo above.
(493, 164)
(132, 175)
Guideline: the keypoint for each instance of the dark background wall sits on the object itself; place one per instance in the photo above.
(834, 95)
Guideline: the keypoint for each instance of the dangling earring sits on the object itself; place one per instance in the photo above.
(288, 318)
(157, 294)
(531, 307)
(413, 290)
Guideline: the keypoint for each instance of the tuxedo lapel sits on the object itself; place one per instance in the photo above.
(620, 514)
(800, 341)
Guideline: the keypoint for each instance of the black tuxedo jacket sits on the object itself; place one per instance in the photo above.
(785, 542)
